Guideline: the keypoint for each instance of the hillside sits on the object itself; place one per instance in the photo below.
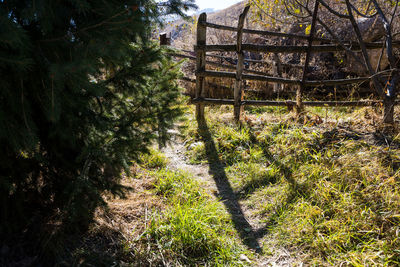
(183, 32)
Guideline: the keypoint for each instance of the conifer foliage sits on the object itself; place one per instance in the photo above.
(83, 90)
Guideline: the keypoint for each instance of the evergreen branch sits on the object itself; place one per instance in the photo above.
(86, 28)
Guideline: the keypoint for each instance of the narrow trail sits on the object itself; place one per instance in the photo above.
(216, 183)
(175, 153)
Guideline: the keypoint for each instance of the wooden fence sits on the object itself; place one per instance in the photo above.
(241, 74)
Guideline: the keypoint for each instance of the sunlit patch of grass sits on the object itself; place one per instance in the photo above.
(195, 233)
(176, 185)
(326, 190)
(233, 144)
(261, 110)
(153, 160)
(194, 229)
(339, 216)
(196, 152)
(272, 200)
(249, 177)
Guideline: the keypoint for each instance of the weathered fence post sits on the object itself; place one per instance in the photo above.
(277, 71)
(200, 64)
(238, 93)
(165, 38)
(300, 89)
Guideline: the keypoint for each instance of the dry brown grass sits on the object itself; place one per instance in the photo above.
(118, 226)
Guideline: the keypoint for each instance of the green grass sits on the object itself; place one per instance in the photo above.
(324, 191)
(194, 228)
(329, 194)
(248, 177)
(153, 160)
(260, 110)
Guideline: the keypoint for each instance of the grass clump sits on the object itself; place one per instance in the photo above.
(193, 229)
(260, 110)
(153, 160)
(345, 200)
(195, 234)
(196, 153)
(247, 177)
(176, 186)
(233, 143)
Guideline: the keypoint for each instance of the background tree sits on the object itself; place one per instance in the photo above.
(333, 16)
(83, 91)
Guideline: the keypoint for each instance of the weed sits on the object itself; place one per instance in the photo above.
(153, 160)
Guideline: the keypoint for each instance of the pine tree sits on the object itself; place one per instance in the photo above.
(83, 91)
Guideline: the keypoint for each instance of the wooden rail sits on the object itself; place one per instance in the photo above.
(232, 75)
(292, 36)
(360, 103)
(226, 66)
(288, 49)
(265, 33)
(247, 60)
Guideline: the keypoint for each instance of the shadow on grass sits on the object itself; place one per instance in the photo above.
(225, 190)
(230, 198)
(101, 248)
(253, 185)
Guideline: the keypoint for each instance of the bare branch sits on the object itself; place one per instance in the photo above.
(293, 14)
(392, 86)
(336, 39)
(388, 30)
(334, 12)
(356, 29)
(361, 14)
(383, 48)
(265, 13)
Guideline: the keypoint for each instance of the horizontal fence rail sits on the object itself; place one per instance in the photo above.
(360, 103)
(258, 32)
(287, 48)
(226, 66)
(270, 79)
(247, 60)
(288, 35)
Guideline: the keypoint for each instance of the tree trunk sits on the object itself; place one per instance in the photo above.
(388, 113)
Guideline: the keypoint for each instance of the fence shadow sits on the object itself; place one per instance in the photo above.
(226, 193)
(249, 235)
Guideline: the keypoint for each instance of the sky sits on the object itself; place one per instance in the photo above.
(216, 4)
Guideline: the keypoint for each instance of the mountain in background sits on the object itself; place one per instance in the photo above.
(182, 31)
(206, 10)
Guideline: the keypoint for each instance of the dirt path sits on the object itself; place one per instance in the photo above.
(217, 184)
(175, 152)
